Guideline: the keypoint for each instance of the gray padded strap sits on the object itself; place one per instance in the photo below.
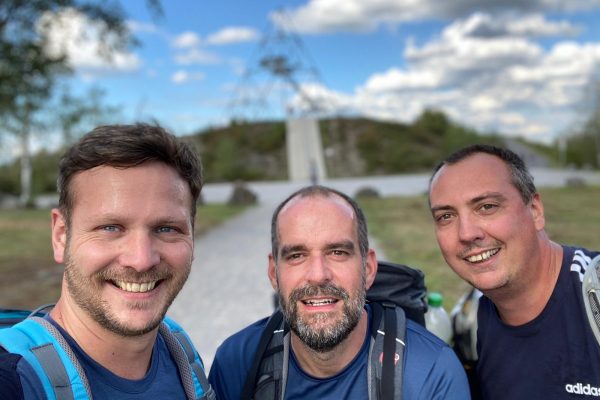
(286, 359)
(55, 370)
(50, 365)
(184, 355)
(181, 359)
(191, 356)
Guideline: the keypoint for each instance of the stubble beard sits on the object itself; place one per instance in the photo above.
(86, 292)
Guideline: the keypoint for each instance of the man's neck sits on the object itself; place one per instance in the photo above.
(127, 357)
(325, 364)
(528, 297)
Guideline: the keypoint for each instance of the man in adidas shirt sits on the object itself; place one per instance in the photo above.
(534, 339)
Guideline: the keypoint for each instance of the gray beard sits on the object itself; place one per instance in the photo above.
(324, 339)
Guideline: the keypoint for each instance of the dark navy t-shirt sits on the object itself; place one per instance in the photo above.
(554, 356)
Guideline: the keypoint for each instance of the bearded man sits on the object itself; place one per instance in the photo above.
(321, 267)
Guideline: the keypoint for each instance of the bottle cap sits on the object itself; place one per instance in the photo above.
(435, 299)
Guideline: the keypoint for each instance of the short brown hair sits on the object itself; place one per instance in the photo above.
(126, 146)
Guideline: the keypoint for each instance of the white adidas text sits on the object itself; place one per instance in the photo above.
(580, 388)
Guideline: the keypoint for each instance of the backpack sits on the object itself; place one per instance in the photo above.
(47, 351)
(397, 293)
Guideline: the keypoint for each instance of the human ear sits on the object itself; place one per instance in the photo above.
(537, 212)
(59, 235)
(272, 272)
(370, 268)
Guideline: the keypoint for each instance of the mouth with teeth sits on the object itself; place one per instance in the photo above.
(477, 258)
(136, 287)
(319, 302)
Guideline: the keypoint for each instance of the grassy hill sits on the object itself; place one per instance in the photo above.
(353, 147)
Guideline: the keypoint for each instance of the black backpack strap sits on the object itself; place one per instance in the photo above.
(386, 358)
(389, 352)
(265, 349)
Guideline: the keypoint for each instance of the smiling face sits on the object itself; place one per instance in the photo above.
(486, 232)
(129, 247)
(320, 275)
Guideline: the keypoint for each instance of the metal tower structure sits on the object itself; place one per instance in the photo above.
(281, 81)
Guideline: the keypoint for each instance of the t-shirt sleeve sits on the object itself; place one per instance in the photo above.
(233, 361)
(448, 379)
(432, 369)
(221, 382)
(10, 384)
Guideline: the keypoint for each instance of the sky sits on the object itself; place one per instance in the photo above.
(516, 67)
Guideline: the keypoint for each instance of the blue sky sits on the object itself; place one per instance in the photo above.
(516, 67)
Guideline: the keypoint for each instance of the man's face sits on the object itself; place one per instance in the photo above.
(486, 232)
(320, 275)
(129, 248)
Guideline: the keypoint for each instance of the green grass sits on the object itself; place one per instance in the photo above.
(30, 276)
(404, 230)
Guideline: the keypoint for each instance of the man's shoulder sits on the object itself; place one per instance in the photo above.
(431, 366)
(577, 259)
(243, 341)
(10, 384)
(417, 334)
(233, 360)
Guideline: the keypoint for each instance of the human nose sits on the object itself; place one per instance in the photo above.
(469, 230)
(319, 270)
(139, 251)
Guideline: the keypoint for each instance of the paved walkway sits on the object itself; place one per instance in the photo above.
(228, 287)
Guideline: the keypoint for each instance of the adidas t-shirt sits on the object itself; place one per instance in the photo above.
(555, 356)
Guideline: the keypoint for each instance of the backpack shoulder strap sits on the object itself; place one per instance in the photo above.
(189, 363)
(50, 356)
(267, 376)
(388, 337)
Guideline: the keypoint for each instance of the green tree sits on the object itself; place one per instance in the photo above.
(29, 71)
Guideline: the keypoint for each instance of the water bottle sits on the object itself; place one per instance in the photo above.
(437, 320)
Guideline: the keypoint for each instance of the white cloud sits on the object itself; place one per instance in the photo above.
(232, 35)
(196, 56)
(507, 84)
(508, 24)
(71, 33)
(182, 76)
(318, 16)
(395, 79)
(186, 40)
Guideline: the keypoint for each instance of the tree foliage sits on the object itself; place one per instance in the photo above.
(28, 71)
(31, 64)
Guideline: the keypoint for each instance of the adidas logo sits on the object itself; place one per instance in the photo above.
(580, 388)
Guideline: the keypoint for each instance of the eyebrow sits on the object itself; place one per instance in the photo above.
(344, 245)
(485, 196)
(286, 250)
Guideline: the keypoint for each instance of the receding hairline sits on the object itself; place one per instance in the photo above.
(336, 198)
